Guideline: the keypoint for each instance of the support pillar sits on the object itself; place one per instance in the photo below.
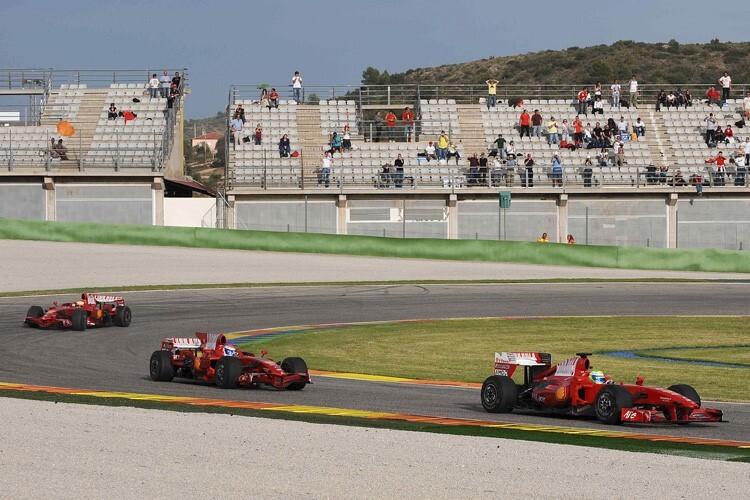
(49, 187)
(231, 221)
(562, 218)
(341, 215)
(158, 188)
(672, 220)
(452, 217)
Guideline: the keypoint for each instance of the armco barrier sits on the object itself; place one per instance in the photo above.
(470, 250)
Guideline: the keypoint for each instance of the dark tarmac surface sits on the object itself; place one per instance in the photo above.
(116, 359)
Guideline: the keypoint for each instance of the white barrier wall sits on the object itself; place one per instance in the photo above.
(190, 212)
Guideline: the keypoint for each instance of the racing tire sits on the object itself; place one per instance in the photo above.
(499, 394)
(295, 365)
(35, 312)
(609, 402)
(227, 372)
(687, 391)
(78, 320)
(123, 316)
(160, 366)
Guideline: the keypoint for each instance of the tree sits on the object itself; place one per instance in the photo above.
(313, 98)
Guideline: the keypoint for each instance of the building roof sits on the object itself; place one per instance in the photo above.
(215, 136)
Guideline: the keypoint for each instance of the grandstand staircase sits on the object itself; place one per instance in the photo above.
(472, 129)
(308, 127)
(658, 143)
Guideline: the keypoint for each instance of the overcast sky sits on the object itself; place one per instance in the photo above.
(227, 42)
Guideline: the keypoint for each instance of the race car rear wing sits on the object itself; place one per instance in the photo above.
(507, 362)
(201, 340)
(94, 298)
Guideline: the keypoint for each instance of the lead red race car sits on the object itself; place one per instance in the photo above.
(94, 309)
(209, 358)
(573, 388)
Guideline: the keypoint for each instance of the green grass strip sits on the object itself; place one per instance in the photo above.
(633, 445)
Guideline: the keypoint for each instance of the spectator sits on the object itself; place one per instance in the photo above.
(726, 85)
(720, 162)
(326, 169)
(176, 79)
(335, 143)
(583, 98)
(240, 112)
(378, 126)
(746, 150)
(679, 180)
(237, 130)
(52, 147)
(483, 169)
(408, 118)
(663, 174)
(672, 100)
(264, 101)
(112, 112)
(525, 121)
(615, 91)
(511, 149)
(565, 129)
(536, 122)
(661, 99)
(273, 99)
(552, 131)
(390, 123)
(598, 106)
(399, 164)
(166, 84)
(510, 166)
(297, 87)
(620, 156)
(347, 140)
(603, 158)
(728, 135)
(710, 130)
(285, 148)
(497, 173)
(688, 98)
(557, 170)
(258, 134)
(623, 127)
(739, 179)
(571, 240)
(746, 106)
(578, 130)
(697, 181)
(500, 145)
(529, 164)
(651, 176)
(713, 96)
(61, 150)
(633, 92)
(453, 153)
(154, 86)
(639, 127)
(174, 93)
(588, 133)
(429, 152)
(543, 238)
(385, 175)
(587, 171)
(598, 90)
(491, 92)
(473, 169)
(442, 146)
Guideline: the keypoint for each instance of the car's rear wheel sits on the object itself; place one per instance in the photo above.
(160, 366)
(499, 394)
(295, 365)
(78, 319)
(227, 372)
(609, 402)
(35, 312)
(123, 316)
(687, 391)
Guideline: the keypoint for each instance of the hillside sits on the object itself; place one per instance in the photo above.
(668, 63)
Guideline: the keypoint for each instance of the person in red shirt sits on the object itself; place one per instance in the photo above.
(525, 122)
(408, 118)
(578, 126)
(728, 132)
(390, 124)
(713, 96)
(273, 97)
(720, 169)
(583, 98)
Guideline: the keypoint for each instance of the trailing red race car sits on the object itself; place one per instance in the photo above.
(94, 309)
(208, 357)
(572, 387)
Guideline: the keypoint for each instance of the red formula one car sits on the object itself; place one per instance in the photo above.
(94, 309)
(572, 387)
(208, 357)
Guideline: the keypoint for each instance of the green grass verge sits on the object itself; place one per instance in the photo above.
(735, 354)
(680, 449)
(462, 350)
(202, 286)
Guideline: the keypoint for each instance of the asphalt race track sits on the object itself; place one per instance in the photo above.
(116, 359)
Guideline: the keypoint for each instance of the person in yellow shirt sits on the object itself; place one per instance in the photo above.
(491, 92)
(552, 131)
(542, 239)
(443, 143)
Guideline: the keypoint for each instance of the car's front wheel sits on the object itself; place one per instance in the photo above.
(78, 319)
(123, 316)
(609, 402)
(295, 365)
(227, 372)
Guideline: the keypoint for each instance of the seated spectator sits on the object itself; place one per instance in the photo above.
(697, 181)
(671, 100)
(663, 174)
(661, 99)
(598, 106)
(639, 127)
(385, 175)
(543, 238)
(112, 112)
(429, 152)
(651, 175)
(620, 156)
(688, 98)
(623, 127)
(240, 113)
(264, 101)
(587, 133)
(571, 240)
(453, 153)
(679, 180)
(335, 143)
(603, 158)
(258, 135)
(61, 150)
(51, 150)
(347, 139)
(285, 148)
(273, 99)
(728, 134)
(713, 96)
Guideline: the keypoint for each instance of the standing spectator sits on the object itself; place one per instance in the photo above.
(429, 152)
(176, 79)
(453, 153)
(500, 144)
(399, 164)
(273, 99)
(713, 96)
(154, 86)
(746, 150)
(578, 130)
(639, 127)
(598, 106)
(482, 170)
(408, 118)
(237, 130)
(174, 93)
(739, 179)
(583, 97)
(297, 87)
(536, 122)
(529, 164)
(565, 128)
(598, 90)
(510, 165)
(347, 142)
(587, 171)
(557, 170)
(552, 131)
(240, 112)
(620, 155)
(473, 169)
(710, 130)
(746, 106)
(511, 149)
(390, 123)
(726, 86)
(497, 172)
(335, 143)
(633, 94)
(688, 98)
(326, 169)
(166, 84)
(285, 148)
(442, 147)
(615, 91)
(491, 92)
(525, 121)
(378, 126)
(112, 112)
(720, 169)
(258, 134)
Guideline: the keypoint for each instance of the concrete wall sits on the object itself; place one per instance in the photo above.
(287, 215)
(398, 218)
(713, 223)
(23, 201)
(190, 212)
(619, 221)
(106, 203)
(525, 220)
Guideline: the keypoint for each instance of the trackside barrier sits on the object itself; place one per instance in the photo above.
(706, 260)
